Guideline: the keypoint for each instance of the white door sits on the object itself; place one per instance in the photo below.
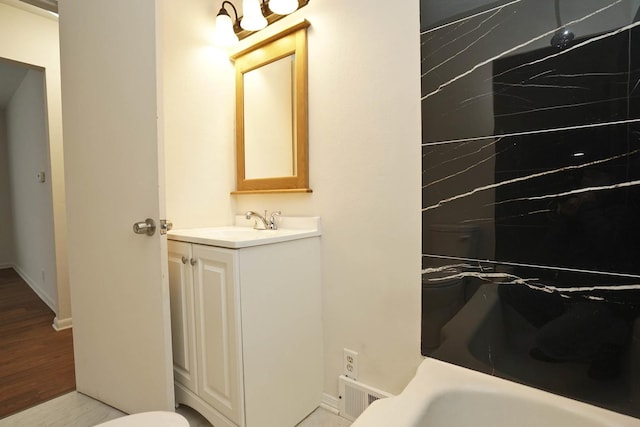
(114, 169)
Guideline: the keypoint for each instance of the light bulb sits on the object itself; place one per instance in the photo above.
(252, 19)
(224, 34)
(283, 7)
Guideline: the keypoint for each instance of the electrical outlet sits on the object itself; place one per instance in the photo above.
(350, 364)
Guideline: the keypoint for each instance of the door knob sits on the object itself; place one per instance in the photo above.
(165, 226)
(184, 259)
(147, 227)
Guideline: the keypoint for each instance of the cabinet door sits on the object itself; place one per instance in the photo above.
(218, 330)
(182, 314)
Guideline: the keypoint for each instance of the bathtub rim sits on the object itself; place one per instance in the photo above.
(435, 378)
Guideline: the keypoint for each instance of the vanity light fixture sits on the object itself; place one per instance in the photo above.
(253, 19)
(283, 7)
(225, 32)
(257, 14)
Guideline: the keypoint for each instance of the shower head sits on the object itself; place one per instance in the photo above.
(562, 38)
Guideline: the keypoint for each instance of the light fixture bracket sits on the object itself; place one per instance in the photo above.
(236, 21)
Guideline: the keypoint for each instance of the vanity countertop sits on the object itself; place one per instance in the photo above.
(242, 234)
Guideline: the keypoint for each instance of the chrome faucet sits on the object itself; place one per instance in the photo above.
(270, 224)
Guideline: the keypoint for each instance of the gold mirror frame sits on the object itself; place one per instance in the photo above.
(291, 41)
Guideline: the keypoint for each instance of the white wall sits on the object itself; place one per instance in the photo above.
(6, 219)
(199, 115)
(32, 38)
(31, 202)
(364, 148)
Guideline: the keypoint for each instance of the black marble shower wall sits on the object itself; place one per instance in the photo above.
(531, 193)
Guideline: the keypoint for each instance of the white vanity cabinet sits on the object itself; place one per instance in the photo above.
(205, 329)
(247, 330)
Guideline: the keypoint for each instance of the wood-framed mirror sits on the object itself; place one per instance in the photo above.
(272, 114)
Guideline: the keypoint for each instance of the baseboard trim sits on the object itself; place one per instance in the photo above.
(330, 403)
(62, 324)
(33, 285)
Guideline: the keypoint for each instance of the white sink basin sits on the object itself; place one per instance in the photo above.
(237, 236)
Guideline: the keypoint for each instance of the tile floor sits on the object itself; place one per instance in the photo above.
(77, 410)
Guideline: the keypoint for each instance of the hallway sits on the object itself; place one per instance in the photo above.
(36, 362)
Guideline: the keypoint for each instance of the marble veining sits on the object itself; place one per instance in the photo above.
(576, 46)
(463, 271)
(530, 194)
(528, 177)
(522, 45)
(530, 132)
(572, 192)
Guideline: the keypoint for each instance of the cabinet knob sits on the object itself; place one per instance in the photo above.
(184, 259)
(193, 261)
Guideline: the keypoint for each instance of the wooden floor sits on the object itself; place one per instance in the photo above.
(36, 362)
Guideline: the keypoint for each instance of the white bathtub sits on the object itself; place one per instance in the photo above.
(446, 395)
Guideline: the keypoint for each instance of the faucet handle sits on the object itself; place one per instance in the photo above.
(273, 220)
